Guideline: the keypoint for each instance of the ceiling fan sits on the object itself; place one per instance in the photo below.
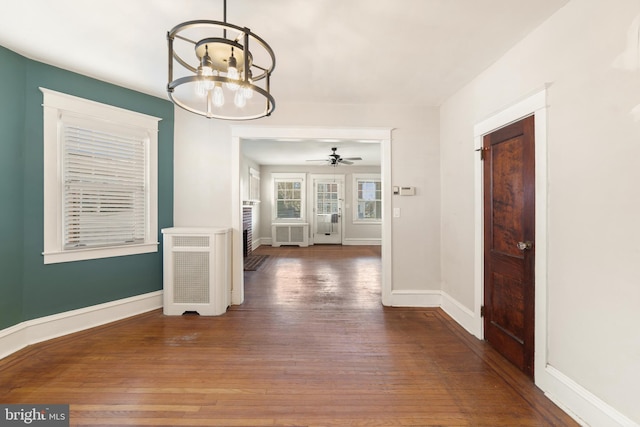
(334, 159)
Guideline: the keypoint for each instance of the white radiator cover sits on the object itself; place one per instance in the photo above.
(290, 234)
(197, 270)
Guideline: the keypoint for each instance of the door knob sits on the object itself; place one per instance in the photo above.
(525, 246)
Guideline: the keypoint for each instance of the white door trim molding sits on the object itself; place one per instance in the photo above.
(380, 135)
(536, 105)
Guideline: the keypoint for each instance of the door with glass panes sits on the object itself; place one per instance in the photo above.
(327, 211)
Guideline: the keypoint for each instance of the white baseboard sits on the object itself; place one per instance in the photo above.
(582, 405)
(266, 241)
(34, 331)
(415, 298)
(461, 314)
(362, 242)
(585, 407)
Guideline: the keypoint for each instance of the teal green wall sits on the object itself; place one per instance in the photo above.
(48, 289)
(13, 76)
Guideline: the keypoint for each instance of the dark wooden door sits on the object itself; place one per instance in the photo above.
(509, 249)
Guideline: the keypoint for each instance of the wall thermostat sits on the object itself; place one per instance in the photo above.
(407, 191)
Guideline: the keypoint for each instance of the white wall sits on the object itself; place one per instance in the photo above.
(593, 276)
(203, 175)
(202, 171)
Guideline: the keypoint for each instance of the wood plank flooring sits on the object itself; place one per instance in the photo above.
(311, 346)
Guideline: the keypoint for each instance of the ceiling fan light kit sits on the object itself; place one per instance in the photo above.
(220, 77)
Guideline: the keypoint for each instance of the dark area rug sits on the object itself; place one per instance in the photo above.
(253, 262)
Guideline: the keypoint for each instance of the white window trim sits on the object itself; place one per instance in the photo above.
(54, 103)
(303, 195)
(354, 193)
(254, 185)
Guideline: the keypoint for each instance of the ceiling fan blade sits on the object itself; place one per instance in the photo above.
(352, 158)
(345, 162)
(317, 160)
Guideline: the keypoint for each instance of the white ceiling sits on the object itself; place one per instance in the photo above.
(292, 152)
(415, 52)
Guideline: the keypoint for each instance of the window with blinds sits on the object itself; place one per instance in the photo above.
(103, 188)
(100, 180)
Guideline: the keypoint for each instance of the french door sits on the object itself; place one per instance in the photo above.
(328, 196)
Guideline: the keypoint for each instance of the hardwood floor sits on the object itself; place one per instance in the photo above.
(311, 346)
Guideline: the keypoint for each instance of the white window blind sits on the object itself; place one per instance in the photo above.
(103, 187)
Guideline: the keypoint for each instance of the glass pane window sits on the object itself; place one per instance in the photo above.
(369, 199)
(289, 199)
(327, 195)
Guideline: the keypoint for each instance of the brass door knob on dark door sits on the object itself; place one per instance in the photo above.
(525, 246)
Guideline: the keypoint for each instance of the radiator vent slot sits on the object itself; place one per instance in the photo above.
(290, 234)
(191, 241)
(282, 234)
(191, 277)
(297, 234)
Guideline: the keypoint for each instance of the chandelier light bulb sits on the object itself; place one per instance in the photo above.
(239, 100)
(207, 72)
(232, 72)
(247, 92)
(205, 69)
(201, 85)
(218, 95)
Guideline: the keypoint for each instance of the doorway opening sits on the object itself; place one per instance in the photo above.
(381, 136)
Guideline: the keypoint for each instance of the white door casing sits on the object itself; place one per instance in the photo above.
(366, 135)
(535, 104)
(327, 209)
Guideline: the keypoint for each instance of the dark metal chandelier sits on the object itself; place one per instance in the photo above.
(218, 75)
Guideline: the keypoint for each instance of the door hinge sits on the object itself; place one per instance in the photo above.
(482, 311)
(482, 151)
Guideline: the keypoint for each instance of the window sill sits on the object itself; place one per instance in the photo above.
(95, 253)
(367, 222)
